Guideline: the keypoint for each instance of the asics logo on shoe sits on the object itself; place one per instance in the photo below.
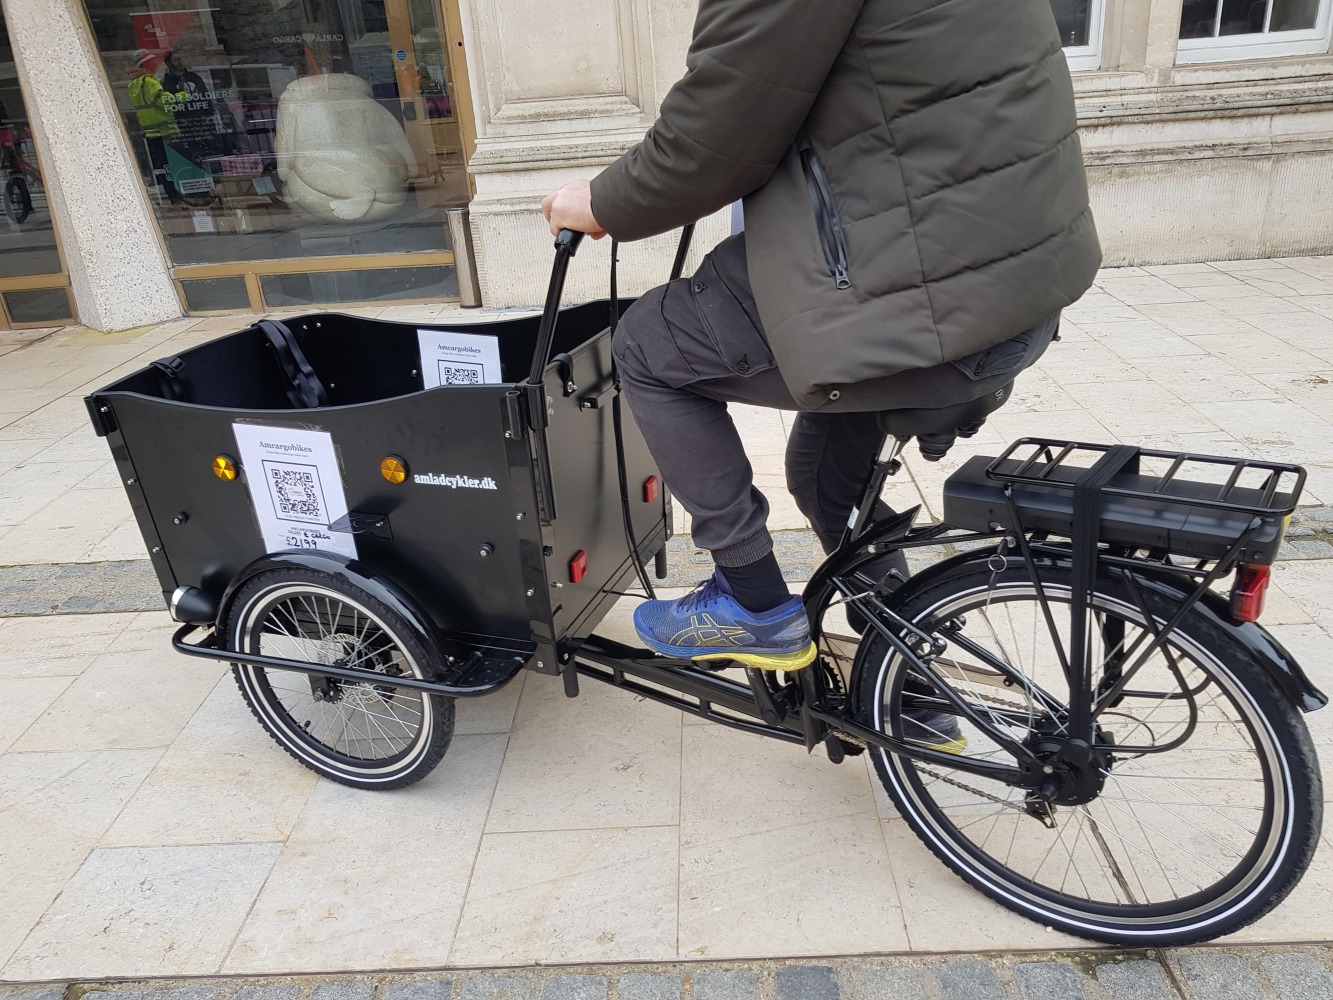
(703, 630)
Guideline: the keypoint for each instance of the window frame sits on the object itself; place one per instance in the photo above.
(1084, 58)
(1259, 45)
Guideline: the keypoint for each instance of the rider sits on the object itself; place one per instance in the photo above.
(916, 215)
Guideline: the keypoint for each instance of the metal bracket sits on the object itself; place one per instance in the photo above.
(511, 416)
(101, 414)
(564, 366)
(360, 522)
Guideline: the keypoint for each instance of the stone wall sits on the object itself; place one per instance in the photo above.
(1186, 162)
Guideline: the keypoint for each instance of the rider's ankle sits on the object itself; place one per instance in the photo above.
(757, 586)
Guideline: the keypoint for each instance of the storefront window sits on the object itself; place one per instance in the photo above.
(1212, 30)
(272, 130)
(29, 255)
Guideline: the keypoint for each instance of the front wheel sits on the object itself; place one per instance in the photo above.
(365, 734)
(1202, 805)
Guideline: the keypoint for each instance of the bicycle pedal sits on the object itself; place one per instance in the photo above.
(839, 749)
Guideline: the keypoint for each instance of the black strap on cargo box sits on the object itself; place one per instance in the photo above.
(170, 370)
(304, 389)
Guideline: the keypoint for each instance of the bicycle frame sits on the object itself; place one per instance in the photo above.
(807, 709)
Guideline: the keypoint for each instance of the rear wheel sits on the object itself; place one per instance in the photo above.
(369, 734)
(1199, 810)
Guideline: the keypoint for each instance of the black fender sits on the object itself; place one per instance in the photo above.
(354, 572)
(819, 591)
(1254, 638)
(1257, 640)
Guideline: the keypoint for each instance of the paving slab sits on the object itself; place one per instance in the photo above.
(559, 837)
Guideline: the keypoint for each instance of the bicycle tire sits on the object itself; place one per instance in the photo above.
(1150, 860)
(373, 736)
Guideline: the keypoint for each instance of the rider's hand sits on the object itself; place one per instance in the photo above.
(570, 207)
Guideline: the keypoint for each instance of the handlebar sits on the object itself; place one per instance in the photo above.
(569, 240)
(566, 246)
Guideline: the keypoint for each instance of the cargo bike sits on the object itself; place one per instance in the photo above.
(365, 542)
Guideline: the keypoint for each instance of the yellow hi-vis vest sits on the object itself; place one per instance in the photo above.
(151, 105)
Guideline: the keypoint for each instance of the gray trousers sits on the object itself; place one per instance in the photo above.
(688, 348)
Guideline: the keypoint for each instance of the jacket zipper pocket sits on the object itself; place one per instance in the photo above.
(831, 239)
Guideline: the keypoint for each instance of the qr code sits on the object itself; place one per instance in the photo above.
(296, 492)
(459, 373)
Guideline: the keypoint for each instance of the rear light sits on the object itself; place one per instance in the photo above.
(578, 566)
(650, 489)
(1247, 595)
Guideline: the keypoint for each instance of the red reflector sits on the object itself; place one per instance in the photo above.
(650, 489)
(1247, 595)
(578, 566)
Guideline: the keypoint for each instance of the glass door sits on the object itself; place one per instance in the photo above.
(34, 288)
(296, 155)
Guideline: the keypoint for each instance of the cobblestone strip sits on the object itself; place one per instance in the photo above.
(1252, 973)
(130, 585)
(79, 588)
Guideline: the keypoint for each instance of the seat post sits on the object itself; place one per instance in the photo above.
(886, 464)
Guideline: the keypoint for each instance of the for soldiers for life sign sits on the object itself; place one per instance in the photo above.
(296, 488)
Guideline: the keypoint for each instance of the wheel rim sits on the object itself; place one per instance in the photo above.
(1136, 856)
(364, 726)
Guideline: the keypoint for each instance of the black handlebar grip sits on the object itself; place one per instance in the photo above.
(569, 241)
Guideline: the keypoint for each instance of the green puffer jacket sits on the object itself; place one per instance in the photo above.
(913, 182)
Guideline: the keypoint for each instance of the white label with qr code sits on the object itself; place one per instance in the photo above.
(452, 358)
(295, 486)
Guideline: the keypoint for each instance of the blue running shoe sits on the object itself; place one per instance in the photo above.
(937, 730)
(709, 624)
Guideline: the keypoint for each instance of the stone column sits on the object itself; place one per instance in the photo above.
(559, 93)
(115, 256)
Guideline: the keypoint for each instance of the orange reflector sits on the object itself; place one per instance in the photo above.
(578, 566)
(1247, 595)
(650, 489)
(224, 467)
(393, 469)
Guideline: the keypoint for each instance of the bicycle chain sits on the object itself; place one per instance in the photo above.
(925, 769)
(968, 788)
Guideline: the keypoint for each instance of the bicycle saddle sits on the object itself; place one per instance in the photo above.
(936, 428)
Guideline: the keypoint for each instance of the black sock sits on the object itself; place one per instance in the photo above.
(757, 586)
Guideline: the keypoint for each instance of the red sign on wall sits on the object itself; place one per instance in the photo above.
(159, 33)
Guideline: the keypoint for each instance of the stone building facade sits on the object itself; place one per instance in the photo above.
(1207, 128)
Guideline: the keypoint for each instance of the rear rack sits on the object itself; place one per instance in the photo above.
(1052, 463)
(1198, 506)
(1219, 511)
